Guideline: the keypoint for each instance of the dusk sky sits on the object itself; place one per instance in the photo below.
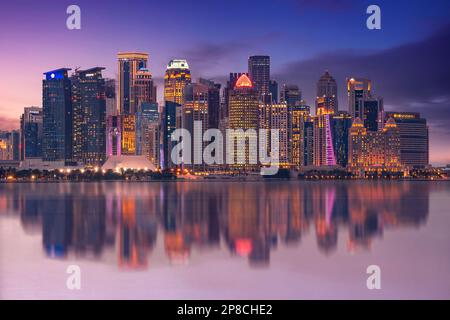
(407, 60)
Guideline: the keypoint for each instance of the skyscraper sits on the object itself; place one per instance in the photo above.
(340, 129)
(259, 72)
(276, 116)
(243, 116)
(274, 91)
(213, 102)
(168, 123)
(145, 90)
(89, 116)
(176, 78)
(373, 114)
(299, 115)
(57, 116)
(129, 65)
(195, 110)
(31, 131)
(327, 93)
(358, 90)
(291, 94)
(414, 139)
(110, 96)
(128, 127)
(114, 136)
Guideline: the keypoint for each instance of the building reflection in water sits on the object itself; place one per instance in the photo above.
(248, 219)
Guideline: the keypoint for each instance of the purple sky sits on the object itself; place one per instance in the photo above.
(407, 59)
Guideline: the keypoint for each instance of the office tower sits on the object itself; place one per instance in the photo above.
(357, 153)
(128, 127)
(291, 94)
(110, 97)
(274, 91)
(276, 116)
(327, 94)
(299, 115)
(129, 65)
(31, 132)
(213, 102)
(308, 153)
(234, 76)
(414, 139)
(373, 114)
(323, 141)
(177, 76)
(114, 136)
(341, 124)
(243, 115)
(168, 126)
(57, 116)
(154, 143)
(10, 145)
(148, 114)
(259, 72)
(145, 90)
(358, 90)
(89, 116)
(195, 110)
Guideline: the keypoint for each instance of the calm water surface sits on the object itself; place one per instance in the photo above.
(191, 240)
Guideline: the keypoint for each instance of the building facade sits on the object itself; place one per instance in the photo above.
(57, 116)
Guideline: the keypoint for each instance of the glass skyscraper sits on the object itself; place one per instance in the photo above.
(57, 116)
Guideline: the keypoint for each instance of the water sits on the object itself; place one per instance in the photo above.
(228, 240)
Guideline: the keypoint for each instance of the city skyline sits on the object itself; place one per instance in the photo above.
(213, 59)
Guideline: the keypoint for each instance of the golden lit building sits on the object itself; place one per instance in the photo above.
(176, 78)
(244, 121)
(323, 138)
(369, 150)
(299, 115)
(128, 134)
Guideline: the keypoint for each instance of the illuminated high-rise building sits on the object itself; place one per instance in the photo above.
(176, 78)
(358, 90)
(31, 133)
(128, 126)
(195, 111)
(392, 144)
(259, 72)
(129, 65)
(145, 90)
(323, 137)
(323, 141)
(57, 116)
(299, 115)
(10, 145)
(291, 94)
(327, 94)
(154, 151)
(243, 116)
(414, 139)
(89, 116)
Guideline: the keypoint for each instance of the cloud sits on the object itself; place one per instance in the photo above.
(414, 76)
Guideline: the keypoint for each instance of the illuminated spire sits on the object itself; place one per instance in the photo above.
(244, 82)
